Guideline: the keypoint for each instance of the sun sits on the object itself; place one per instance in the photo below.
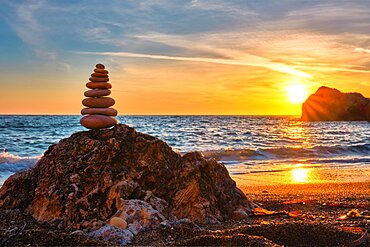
(300, 175)
(297, 93)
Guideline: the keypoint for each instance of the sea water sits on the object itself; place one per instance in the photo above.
(245, 144)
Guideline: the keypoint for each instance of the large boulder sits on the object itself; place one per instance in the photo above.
(87, 179)
(329, 104)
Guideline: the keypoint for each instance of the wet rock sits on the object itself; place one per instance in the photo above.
(329, 104)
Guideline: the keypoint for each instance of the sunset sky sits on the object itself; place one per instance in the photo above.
(181, 57)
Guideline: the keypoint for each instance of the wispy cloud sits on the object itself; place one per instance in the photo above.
(257, 62)
(33, 32)
(46, 54)
(358, 49)
(26, 25)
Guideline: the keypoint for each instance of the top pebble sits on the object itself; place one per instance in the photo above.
(100, 66)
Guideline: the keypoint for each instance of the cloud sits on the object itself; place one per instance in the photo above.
(330, 52)
(26, 25)
(257, 62)
(365, 83)
(332, 68)
(358, 49)
(302, 39)
(46, 54)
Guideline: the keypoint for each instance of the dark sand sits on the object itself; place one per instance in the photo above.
(302, 215)
(310, 217)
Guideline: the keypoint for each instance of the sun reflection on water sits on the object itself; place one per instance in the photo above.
(298, 134)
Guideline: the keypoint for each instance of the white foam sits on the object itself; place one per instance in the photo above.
(14, 163)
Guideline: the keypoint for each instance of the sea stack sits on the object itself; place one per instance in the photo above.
(98, 114)
(330, 104)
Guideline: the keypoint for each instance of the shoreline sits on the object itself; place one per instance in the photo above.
(300, 175)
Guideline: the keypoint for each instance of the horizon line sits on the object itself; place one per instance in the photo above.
(122, 115)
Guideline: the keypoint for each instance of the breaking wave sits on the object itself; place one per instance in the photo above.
(288, 153)
(13, 163)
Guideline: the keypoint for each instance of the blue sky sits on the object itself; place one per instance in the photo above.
(54, 42)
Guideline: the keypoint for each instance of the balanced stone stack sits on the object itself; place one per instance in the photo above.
(98, 114)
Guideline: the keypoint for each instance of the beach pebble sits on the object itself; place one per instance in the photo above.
(97, 121)
(99, 75)
(99, 79)
(101, 71)
(102, 111)
(102, 102)
(97, 93)
(100, 66)
(118, 222)
(100, 85)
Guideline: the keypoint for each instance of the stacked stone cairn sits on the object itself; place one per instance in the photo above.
(98, 114)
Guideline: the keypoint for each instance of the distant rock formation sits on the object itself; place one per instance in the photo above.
(329, 104)
(93, 178)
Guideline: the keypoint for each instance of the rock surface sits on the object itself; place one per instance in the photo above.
(329, 104)
(102, 71)
(98, 121)
(98, 85)
(102, 111)
(99, 74)
(100, 66)
(99, 79)
(97, 92)
(102, 102)
(92, 176)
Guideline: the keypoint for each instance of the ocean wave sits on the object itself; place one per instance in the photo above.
(288, 153)
(13, 163)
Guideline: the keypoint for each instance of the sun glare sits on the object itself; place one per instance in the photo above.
(297, 93)
(300, 175)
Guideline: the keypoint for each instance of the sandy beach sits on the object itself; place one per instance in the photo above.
(325, 214)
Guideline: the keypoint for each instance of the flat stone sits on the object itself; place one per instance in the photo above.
(99, 75)
(102, 71)
(102, 102)
(99, 79)
(99, 85)
(100, 66)
(100, 111)
(97, 122)
(118, 222)
(97, 93)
